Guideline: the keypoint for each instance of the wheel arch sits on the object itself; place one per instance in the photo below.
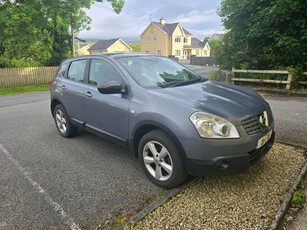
(54, 103)
(146, 126)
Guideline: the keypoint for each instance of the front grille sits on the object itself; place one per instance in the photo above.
(270, 115)
(252, 126)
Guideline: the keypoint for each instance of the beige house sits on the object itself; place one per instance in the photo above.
(109, 46)
(81, 48)
(171, 39)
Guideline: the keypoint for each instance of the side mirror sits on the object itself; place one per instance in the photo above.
(111, 87)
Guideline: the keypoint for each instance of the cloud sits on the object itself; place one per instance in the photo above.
(199, 17)
(106, 24)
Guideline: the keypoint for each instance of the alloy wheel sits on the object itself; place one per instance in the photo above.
(157, 161)
(61, 121)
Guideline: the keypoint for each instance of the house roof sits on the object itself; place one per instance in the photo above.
(80, 45)
(196, 44)
(186, 32)
(103, 44)
(169, 28)
(217, 36)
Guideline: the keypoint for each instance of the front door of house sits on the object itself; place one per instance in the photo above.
(185, 55)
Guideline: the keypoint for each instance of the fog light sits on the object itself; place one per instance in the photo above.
(221, 164)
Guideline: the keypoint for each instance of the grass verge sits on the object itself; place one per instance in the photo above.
(24, 89)
(298, 199)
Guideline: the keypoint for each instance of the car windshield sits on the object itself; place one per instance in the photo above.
(162, 72)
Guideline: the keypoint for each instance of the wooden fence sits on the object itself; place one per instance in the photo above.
(13, 77)
(287, 82)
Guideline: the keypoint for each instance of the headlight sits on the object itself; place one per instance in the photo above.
(211, 126)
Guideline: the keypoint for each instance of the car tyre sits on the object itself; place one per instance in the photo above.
(64, 126)
(161, 160)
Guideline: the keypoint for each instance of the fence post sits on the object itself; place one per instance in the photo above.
(233, 75)
(288, 86)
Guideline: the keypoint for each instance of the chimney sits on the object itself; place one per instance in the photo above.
(162, 21)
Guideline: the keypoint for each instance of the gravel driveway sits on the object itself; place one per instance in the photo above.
(246, 201)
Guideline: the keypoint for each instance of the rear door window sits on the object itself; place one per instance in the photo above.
(62, 70)
(76, 70)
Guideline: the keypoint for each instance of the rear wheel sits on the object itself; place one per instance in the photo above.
(160, 160)
(64, 126)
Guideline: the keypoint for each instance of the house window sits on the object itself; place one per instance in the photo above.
(178, 39)
(159, 52)
(148, 39)
(197, 52)
(205, 53)
(185, 40)
(177, 53)
(154, 39)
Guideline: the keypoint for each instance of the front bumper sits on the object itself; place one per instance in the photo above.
(228, 163)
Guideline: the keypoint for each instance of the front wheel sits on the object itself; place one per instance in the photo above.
(161, 160)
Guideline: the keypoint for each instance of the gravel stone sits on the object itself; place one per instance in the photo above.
(242, 201)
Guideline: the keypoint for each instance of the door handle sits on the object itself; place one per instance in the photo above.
(88, 94)
(63, 87)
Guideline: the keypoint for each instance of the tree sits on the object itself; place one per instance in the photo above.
(39, 32)
(216, 50)
(71, 14)
(265, 34)
(25, 39)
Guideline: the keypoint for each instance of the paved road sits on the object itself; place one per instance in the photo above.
(290, 118)
(47, 181)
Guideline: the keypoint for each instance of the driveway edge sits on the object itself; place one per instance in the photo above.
(286, 201)
(157, 203)
(151, 207)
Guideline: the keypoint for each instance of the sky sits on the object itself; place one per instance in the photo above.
(199, 17)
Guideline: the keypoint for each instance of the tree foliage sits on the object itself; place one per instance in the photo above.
(24, 37)
(38, 32)
(206, 39)
(264, 34)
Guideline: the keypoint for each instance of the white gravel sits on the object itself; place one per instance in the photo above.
(245, 201)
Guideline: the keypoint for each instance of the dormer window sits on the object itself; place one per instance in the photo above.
(154, 39)
(185, 40)
(178, 39)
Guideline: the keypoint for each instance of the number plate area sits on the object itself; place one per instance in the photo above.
(264, 139)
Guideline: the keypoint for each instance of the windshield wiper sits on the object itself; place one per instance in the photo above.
(187, 82)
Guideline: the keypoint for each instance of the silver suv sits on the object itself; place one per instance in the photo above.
(174, 121)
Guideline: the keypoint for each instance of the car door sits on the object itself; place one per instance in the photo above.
(72, 89)
(106, 113)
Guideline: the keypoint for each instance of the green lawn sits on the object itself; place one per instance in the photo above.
(24, 89)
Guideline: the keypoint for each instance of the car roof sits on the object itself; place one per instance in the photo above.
(114, 55)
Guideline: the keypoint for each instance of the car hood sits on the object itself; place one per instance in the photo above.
(228, 101)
